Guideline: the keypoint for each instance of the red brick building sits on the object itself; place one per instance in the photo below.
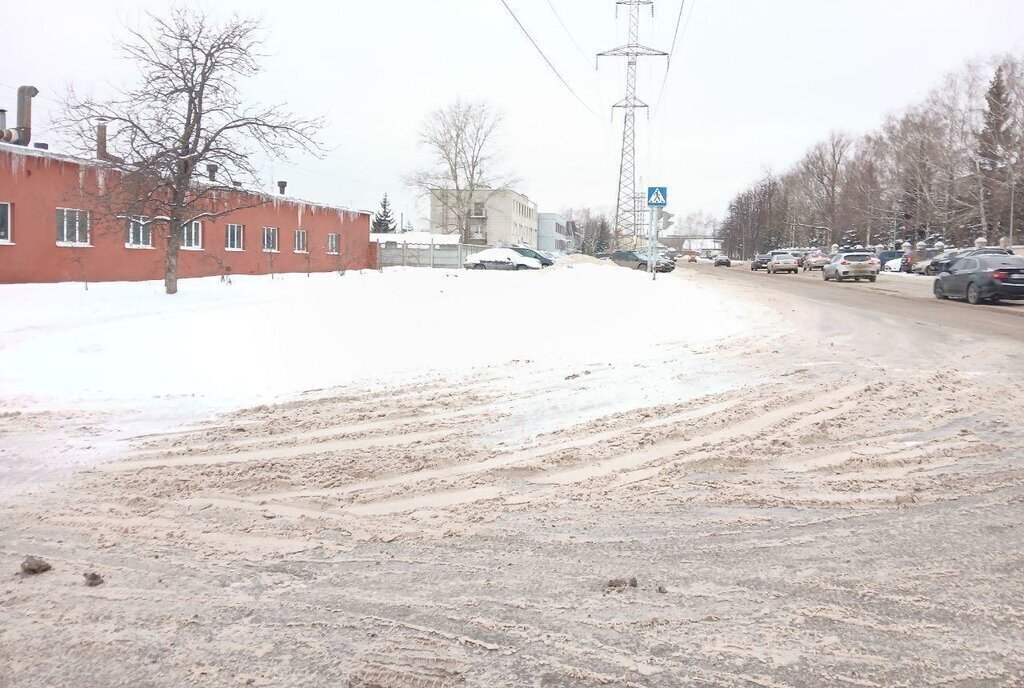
(52, 229)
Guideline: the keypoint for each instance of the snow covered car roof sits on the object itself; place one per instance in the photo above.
(503, 254)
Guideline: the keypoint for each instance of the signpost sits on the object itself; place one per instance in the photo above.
(657, 198)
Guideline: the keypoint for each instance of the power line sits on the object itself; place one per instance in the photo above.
(672, 50)
(568, 33)
(560, 77)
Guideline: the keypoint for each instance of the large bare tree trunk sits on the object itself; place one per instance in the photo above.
(171, 260)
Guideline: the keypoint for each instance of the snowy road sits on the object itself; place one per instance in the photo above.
(905, 299)
(804, 498)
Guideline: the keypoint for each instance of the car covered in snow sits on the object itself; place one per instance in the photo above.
(984, 277)
(545, 259)
(856, 266)
(501, 259)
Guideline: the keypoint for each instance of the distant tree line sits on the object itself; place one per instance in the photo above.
(948, 167)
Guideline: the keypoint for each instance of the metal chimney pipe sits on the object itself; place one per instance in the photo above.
(237, 185)
(211, 171)
(21, 135)
(281, 186)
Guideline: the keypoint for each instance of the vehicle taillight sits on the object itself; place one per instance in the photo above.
(874, 262)
(845, 262)
(999, 274)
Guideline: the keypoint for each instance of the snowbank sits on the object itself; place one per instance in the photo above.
(219, 346)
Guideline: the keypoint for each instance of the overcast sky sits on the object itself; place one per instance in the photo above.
(753, 83)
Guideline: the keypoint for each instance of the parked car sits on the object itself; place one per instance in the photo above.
(815, 260)
(885, 256)
(943, 261)
(783, 261)
(909, 259)
(984, 277)
(545, 260)
(693, 259)
(922, 267)
(855, 266)
(893, 265)
(760, 261)
(723, 262)
(640, 261)
(500, 259)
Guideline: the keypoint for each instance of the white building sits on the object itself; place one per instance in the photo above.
(553, 233)
(497, 218)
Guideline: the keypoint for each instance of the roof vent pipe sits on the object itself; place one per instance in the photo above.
(3, 119)
(21, 135)
(211, 171)
(237, 185)
(281, 186)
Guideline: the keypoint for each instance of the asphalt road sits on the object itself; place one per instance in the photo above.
(891, 295)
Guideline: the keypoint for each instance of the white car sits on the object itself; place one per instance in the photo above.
(500, 259)
(783, 261)
(893, 265)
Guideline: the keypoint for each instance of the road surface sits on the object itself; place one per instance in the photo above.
(899, 296)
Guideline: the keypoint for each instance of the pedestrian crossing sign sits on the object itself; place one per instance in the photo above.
(657, 196)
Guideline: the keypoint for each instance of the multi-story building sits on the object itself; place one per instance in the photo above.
(554, 234)
(496, 218)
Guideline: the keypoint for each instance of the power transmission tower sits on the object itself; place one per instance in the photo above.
(628, 214)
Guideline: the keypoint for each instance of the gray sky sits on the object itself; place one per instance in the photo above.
(753, 84)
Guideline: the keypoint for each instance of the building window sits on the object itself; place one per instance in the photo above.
(270, 240)
(192, 236)
(300, 241)
(72, 227)
(332, 244)
(234, 238)
(5, 223)
(140, 233)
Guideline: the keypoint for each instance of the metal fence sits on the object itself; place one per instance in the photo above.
(399, 254)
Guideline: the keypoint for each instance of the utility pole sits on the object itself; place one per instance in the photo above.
(628, 214)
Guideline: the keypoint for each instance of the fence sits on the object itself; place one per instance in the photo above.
(399, 254)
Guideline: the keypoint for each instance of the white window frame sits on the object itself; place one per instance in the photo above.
(196, 227)
(229, 230)
(333, 244)
(145, 231)
(303, 245)
(6, 210)
(79, 213)
(271, 232)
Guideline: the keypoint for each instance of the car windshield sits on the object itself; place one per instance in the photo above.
(992, 262)
(858, 257)
(782, 254)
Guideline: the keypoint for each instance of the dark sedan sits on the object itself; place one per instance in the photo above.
(760, 261)
(983, 277)
(723, 262)
(536, 255)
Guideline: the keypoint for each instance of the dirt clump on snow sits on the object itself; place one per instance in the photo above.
(621, 583)
(33, 566)
(93, 579)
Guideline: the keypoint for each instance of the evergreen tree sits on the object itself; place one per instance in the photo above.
(384, 220)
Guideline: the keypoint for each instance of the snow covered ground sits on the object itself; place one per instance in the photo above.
(483, 464)
(217, 346)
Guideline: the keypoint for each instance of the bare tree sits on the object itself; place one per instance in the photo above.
(462, 142)
(185, 123)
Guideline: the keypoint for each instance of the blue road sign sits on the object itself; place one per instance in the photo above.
(657, 196)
